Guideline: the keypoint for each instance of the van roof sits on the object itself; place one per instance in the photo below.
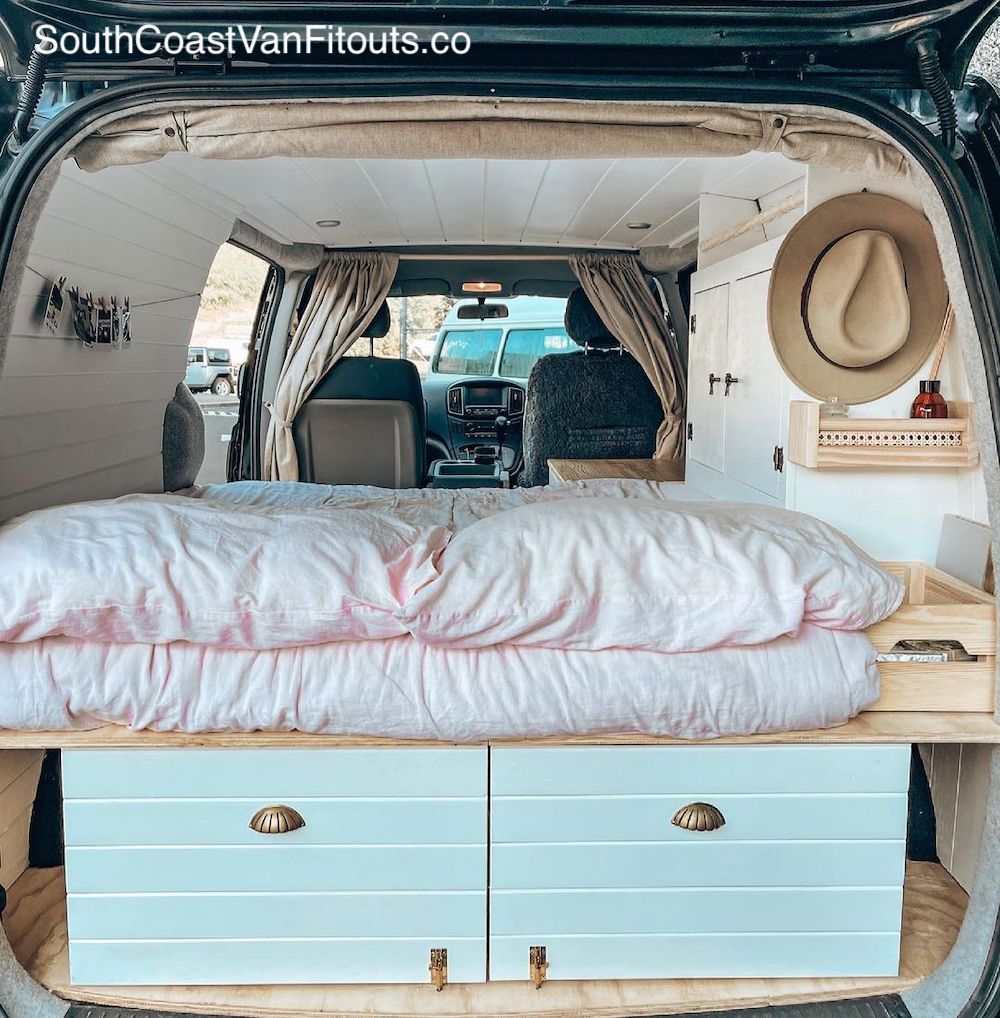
(545, 309)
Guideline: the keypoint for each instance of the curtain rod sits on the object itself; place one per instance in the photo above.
(504, 257)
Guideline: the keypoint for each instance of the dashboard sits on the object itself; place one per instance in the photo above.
(473, 406)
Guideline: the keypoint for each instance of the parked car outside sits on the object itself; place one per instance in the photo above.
(210, 368)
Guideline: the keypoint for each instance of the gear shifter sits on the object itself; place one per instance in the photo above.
(501, 424)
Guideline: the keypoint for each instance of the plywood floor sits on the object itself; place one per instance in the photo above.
(934, 906)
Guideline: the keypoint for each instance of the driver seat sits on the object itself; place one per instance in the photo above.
(365, 422)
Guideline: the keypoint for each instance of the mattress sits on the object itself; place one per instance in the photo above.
(405, 690)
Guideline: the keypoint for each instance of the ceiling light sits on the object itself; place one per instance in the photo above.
(482, 288)
(638, 226)
(328, 223)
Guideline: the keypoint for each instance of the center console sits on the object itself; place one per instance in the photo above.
(474, 405)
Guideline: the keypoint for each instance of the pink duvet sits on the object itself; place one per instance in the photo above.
(567, 567)
(401, 689)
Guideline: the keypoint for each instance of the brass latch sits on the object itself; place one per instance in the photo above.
(538, 965)
(439, 967)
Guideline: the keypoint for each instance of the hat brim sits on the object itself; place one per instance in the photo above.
(924, 282)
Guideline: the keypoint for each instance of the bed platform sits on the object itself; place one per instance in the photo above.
(933, 909)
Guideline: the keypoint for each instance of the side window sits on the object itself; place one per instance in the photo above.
(525, 346)
(220, 343)
(468, 351)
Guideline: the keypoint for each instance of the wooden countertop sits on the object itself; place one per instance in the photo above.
(637, 470)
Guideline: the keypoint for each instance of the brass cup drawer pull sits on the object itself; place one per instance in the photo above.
(699, 816)
(276, 820)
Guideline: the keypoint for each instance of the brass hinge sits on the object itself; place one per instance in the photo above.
(538, 966)
(779, 459)
(438, 967)
(690, 431)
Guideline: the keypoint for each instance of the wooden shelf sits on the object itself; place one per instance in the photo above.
(933, 909)
(937, 606)
(821, 442)
(662, 470)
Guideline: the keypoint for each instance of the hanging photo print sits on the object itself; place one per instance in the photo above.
(83, 316)
(54, 306)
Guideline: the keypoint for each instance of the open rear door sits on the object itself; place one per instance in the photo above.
(856, 39)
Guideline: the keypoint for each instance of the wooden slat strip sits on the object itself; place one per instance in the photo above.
(972, 625)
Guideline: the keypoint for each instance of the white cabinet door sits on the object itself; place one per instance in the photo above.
(707, 359)
(753, 404)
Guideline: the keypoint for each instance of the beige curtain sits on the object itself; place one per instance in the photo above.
(349, 289)
(488, 129)
(622, 297)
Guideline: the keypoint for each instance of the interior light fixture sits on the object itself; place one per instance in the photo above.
(638, 226)
(482, 288)
(328, 223)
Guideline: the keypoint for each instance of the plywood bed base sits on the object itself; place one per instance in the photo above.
(951, 702)
(35, 922)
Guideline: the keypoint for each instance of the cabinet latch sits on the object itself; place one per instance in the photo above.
(538, 966)
(439, 967)
(779, 459)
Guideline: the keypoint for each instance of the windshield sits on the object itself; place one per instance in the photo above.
(468, 351)
(525, 346)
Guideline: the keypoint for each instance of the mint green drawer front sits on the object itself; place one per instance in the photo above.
(168, 884)
(804, 878)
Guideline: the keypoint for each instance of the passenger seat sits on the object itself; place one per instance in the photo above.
(593, 404)
(365, 423)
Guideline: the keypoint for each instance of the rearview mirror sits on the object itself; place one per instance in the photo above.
(482, 312)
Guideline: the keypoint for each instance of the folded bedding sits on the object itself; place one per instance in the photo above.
(646, 575)
(616, 565)
(165, 568)
(402, 689)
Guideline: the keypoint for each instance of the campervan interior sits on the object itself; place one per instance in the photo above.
(249, 827)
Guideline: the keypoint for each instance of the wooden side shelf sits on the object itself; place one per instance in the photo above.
(35, 921)
(937, 606)
(821, 442)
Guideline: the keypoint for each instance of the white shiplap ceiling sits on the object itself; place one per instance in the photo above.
(398, 203)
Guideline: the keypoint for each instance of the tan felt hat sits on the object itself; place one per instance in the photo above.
(857, 297)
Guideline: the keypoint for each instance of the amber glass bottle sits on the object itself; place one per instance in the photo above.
(930, 402)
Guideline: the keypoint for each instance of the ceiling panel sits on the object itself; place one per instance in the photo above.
(395, 203)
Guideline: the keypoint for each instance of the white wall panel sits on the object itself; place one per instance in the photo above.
(78, 423)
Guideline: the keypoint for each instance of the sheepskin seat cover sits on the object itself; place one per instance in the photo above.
(587, 406)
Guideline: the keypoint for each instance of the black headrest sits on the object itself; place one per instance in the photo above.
(380, 323)
(584, 324)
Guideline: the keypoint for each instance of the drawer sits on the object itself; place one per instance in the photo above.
(168, 884)
(803, 878)
(698, 771)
